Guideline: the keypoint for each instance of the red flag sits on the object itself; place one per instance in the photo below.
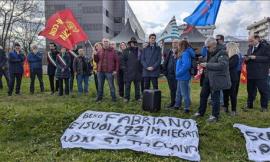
(243, 76)
(63, 28)
(26, 68)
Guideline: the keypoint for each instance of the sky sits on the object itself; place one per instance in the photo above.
(233, 18)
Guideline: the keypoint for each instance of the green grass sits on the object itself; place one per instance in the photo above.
(31, 127)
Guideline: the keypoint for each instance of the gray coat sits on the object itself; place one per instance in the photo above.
(218, 71)
(151, 58)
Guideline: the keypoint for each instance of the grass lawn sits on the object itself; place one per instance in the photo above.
(31, 127)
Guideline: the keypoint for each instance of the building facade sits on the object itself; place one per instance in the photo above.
(98, 18)
(261, 28)
(206, 31)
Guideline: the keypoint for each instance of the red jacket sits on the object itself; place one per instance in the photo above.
(107, 61)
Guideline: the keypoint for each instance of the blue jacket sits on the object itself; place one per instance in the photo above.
(183, 65)
(151, 58)
(16, 62)
(35, 60)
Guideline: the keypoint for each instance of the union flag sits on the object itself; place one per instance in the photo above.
(243, 76)
(62, 28)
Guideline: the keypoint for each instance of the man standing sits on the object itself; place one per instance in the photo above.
(217, 78)
(132, 69)
(107, 67)
(72, 54)
(169, 66)
(3, 67)
(35, 60)
(82, 70)
(150, 60)
(52, 67)
(15, 59)
(257, 60)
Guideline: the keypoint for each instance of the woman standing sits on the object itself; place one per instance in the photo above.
(120, 74)
(233, 51)
(63, 71)
(97, 48)
(183, 75)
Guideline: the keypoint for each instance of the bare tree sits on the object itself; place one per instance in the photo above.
(12, 11)
(25, 31)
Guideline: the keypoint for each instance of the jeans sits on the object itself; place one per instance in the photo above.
(137, 89)
(215, 95)
(183, 91)
(33, 74)
(82, 79)
(6, 75)
(101, 79)
(18, 77)
(172, 82)
(154, 81)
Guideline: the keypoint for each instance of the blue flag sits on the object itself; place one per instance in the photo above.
(205, 14)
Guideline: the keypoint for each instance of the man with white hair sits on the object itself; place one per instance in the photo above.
(217, 77)
(3, 67)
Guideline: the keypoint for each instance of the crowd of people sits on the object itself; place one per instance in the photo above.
(221, 63)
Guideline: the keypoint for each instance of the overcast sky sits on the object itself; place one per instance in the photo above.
(233, 18)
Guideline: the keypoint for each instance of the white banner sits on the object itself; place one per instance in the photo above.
(257, 142)
(166, 136)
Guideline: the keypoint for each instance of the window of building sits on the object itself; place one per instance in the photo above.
(92, 27)
(91, 9)
(59, 7)
(117, 20)
(107, 29)
(107, 13)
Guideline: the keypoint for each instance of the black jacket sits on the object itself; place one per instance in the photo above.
(3, 60)
(169, 65)
(233, 64)
(218, 70)
(131, 64)
(258, 68)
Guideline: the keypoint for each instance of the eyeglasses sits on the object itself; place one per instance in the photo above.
(208, 47)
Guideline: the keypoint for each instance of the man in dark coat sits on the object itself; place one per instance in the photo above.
(257, 60)
(132, 69)
(217, 78)
(169, 66)
(72, 54)
(51, 57)
(15, 60)
(151, 60)
(35, 60)
(3, 67)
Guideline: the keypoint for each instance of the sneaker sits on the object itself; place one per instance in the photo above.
(196, 115)
(246, 108)
(211, 119)
(114, 100)
(139, 100)
(233, 113)
(126, 100)
(264, 110)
